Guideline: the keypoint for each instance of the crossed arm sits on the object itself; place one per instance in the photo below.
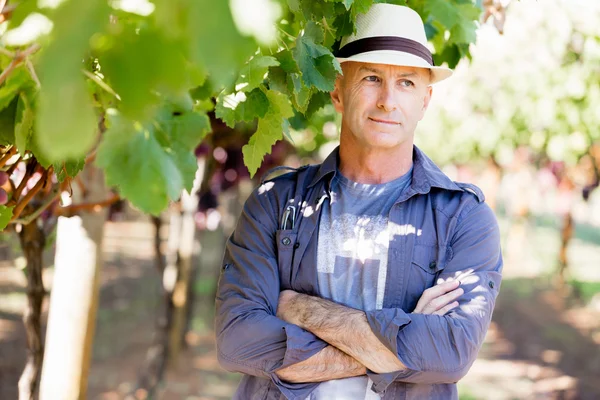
(353, 347)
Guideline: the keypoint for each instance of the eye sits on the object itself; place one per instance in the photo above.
(372, 78)
(407, 83)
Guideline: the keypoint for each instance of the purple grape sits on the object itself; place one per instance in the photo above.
(3, 178)
(3, 197)
(203, 149)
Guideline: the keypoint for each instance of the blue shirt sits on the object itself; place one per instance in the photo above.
(442, 229)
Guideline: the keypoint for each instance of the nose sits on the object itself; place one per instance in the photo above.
(386, 100)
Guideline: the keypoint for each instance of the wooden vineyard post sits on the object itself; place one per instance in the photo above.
(74, 296)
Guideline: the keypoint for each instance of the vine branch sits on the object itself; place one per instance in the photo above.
(19, 57)
(25, 200)
(91, 207)
(7, 156)
(47, 203)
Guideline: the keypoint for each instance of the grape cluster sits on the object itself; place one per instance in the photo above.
(229, 169)
(3, 194)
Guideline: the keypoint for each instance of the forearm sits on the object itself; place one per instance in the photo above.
(330, 363)
(346, 329)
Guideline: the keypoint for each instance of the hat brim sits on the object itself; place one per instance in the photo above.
(392, 57)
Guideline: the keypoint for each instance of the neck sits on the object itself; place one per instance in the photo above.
(374, 166)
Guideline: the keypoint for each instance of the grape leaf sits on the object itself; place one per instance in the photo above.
(23, 124)
(215, 41)
(301, 93)
(317, 9)
(444, 11)
(7, 123)
(343, 24)
(65, 122)
(269, 130)
(25, 8)
(254, 72)
(232, 109)
(286, 61)
(314, 32)
(129, 54)
(346, 3)
(361, 7)
(465, 29)
(181, 134)
(317, 101)
(318, 66)
(6, 214)
(294, 5)
(137, 158)
(68, 169)
(17, 80)
(396, 2)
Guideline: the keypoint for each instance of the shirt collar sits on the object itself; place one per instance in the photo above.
(425, 173)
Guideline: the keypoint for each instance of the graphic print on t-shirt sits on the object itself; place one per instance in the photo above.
(352, 255)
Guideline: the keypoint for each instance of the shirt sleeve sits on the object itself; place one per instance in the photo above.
(441, 349)
(250, 338)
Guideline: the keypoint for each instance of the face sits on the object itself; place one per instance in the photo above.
(380, 104)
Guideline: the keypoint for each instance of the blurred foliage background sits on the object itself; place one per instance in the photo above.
(182, 105)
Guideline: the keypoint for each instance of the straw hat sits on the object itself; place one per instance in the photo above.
(390, 34)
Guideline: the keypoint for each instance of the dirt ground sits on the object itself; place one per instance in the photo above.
(540, 345)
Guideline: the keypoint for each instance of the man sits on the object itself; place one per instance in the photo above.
(372, 275)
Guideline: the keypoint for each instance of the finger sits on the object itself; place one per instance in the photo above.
(440, 302)
(437, 291)
(445, 299)
(446, 309)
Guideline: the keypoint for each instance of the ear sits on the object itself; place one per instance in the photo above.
(426, 100)
(336, 95)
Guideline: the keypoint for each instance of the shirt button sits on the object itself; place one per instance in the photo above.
(286, 241)
(491, 284)
(432, 265)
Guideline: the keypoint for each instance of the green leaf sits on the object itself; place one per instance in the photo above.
(346, 3)
(317, 9)
(343, 24)
(17, 80)
(215, 40)
(141, 160)
(6, 214)
(318, 66)
(7, 123)
(294, 5)
(315, 32)
(430, 30)
(286, 61)
(444, 11)
(396, 2)
(270, 130)
(65, 121)
(64, 132)
(301, 95)
(450, 55)
(23, 124)
(24, 9)
(360, 7)
(317, 101)
(254, 72)
(126, 60)
(68, 169)
(186, 130)
(465, 30)
(232, 109)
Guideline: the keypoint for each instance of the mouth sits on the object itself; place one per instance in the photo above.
(384, 121)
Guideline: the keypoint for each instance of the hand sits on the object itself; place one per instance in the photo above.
(284, 312)
(439, 299)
